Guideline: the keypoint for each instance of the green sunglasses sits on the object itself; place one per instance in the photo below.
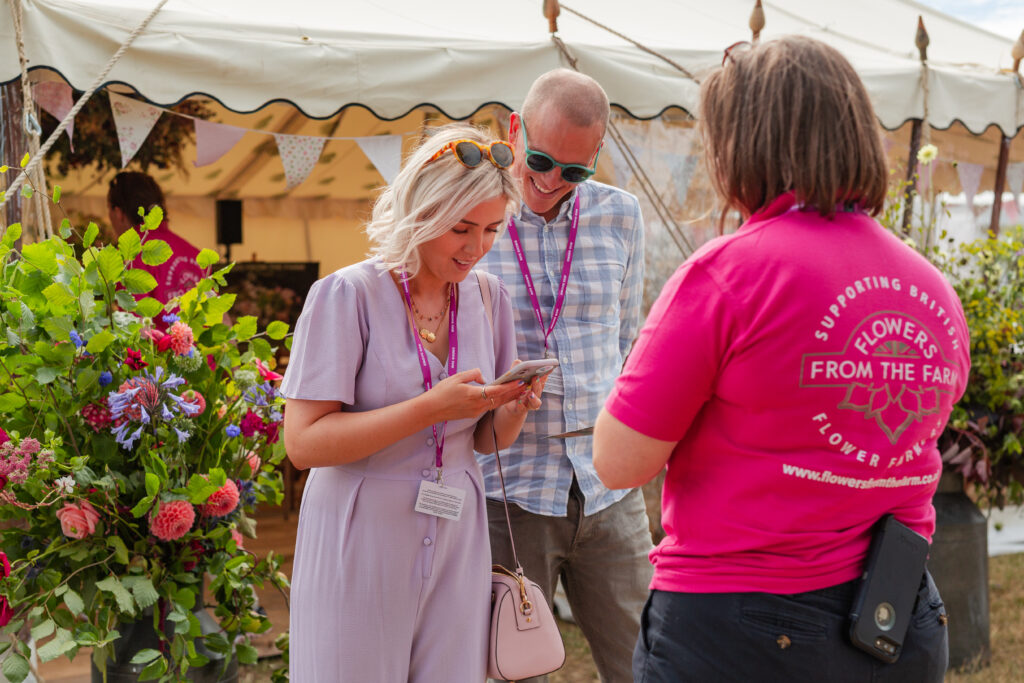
(542, 163)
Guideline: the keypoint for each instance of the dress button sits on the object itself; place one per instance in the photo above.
(427, 541)
(425, 473)
(430, 441)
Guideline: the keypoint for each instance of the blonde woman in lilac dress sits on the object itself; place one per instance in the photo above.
(388, 364)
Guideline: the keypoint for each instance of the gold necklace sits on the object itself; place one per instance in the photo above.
(425, 333)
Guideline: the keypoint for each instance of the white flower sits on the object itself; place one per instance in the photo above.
(124, 318)
(927, 154)
(65, 485)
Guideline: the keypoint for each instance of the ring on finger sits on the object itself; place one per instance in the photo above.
(483, 392)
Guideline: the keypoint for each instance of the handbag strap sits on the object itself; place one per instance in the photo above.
(485, 294)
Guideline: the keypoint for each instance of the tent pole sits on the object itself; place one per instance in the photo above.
(911, 189)
(997, 198)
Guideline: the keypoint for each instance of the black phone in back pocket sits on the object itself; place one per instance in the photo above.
(885, 599)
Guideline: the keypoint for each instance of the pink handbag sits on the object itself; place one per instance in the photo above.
(524, 639)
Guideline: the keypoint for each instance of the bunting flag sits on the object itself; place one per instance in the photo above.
(213, 140)
(384, 152)
(1015, 179)
(55, 99)
(970, 180)
(1012, 210)
(133, 120)
(299, 154)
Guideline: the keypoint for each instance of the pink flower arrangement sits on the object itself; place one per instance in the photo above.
(78, 521)
(238, 539)
(195, 398)
(251, 423)
(223, 501)
(173, 521)
(254, 461)
(181, 338)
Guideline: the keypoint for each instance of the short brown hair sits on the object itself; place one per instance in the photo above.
(130, 190)
(792, 115)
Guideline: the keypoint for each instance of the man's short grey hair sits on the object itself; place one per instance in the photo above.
(426, 200)
(578, 97)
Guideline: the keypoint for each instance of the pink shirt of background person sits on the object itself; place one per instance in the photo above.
(176, 275)
(806, 369)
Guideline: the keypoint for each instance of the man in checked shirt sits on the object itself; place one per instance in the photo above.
(585, 239)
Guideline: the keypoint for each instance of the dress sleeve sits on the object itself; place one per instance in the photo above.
(674, 366)
(329, 344)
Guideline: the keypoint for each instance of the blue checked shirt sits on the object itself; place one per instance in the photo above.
(597, 326)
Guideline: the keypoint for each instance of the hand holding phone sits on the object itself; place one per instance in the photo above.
(527, 370)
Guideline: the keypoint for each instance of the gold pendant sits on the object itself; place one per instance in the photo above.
(427, 336)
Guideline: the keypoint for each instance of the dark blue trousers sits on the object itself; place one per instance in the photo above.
(761, 637)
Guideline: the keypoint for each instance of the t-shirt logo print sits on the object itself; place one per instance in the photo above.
(891, 369)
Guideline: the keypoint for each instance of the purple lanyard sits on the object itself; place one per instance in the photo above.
(453, 357)
(566, 267)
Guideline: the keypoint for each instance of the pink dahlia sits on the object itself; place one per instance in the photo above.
(173, 520)
(78, 521)
(223, 501)
(195, 398)
(181, 338)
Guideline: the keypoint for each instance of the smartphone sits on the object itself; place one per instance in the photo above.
(885, 599)
(527, 370)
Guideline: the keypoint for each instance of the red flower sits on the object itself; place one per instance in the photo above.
(97, 415)
(173, 520)
(4, 438)
(251, 424)
(212, 362)
(195, 398)
(271, 430)
(223, 501)
(6, 613)
(133, 359)
(266, 373)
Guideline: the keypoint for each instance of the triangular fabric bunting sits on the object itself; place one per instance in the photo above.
(133, 120)
(55, 99)
(384, 152)
(213, 140)
(1015, 179)
(970, 180)
(299, 154)
(1012, 210)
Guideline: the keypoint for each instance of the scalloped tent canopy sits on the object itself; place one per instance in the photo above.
(458, 55)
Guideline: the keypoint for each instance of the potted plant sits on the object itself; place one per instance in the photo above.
(136, 440)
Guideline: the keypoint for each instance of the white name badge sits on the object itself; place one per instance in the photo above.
(440, 501)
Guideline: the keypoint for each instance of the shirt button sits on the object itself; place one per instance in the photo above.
(427, 541)
(425, 473)
(564, 361)
(568, 406)
(430, 441)
(442, 374)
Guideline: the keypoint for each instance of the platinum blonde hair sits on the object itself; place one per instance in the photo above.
(426, 200)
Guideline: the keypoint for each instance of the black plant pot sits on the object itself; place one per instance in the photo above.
(140, 635)
(959, 563)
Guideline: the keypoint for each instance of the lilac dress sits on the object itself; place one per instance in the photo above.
(381, 593)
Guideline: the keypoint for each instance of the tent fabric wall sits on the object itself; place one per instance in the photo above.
(457, 55)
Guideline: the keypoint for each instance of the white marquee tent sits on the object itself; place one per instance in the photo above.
(376, 63)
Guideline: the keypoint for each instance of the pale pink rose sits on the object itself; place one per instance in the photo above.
(254, 461)
(78, 521)
(238, 539)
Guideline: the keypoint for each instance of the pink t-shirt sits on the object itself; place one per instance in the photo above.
(806, 368)
(176, 275)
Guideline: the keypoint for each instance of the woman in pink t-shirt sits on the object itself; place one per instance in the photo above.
(794, 377)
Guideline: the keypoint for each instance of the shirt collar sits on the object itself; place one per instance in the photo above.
(525, 212)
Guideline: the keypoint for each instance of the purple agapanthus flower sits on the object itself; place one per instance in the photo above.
(170, 318)
(106, 378)
(232, 431)
(143, 398)
(76, 339)
(260, 394)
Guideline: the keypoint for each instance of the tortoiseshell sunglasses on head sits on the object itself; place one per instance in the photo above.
(471, 153)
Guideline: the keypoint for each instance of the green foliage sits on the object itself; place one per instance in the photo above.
(984, 437)
(102, 439)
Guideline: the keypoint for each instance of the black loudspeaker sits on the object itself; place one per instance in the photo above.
(229, 221)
